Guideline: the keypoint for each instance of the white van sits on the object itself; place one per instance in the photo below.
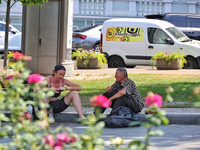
(128, 42)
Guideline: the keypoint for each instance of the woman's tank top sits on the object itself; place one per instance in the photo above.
(55, 94)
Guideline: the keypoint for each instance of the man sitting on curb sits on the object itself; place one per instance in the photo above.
(123, 93)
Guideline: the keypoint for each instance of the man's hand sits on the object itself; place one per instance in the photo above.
(108, 88)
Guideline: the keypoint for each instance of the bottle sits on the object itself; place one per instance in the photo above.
(30, 110)
(51, 113)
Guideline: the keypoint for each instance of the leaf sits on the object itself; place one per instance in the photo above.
(157, 132)
(3, 117)
(50, 93)
(146, 124)
(165, 120)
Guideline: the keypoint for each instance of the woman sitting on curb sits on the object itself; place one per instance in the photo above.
(58, 82)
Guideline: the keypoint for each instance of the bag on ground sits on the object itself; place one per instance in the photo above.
(121, 117)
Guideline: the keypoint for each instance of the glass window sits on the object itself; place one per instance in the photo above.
(195, 22)
(85, 28)
(2, 27)
(90, 22)
(157, 36)
(99, 22)
(178, 35)
(179, 21)
(78, 23)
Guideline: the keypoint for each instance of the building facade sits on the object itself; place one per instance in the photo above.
(97, 11)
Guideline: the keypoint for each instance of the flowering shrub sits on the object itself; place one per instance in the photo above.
(18, 56)
(170, 57)
(87, 55)
(59, 142)
(23, 131)
(38, 135)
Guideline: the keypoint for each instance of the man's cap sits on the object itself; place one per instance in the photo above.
(59, 67)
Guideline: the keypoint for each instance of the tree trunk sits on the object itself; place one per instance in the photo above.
(6, 33)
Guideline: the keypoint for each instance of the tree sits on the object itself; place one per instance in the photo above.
(9, 6)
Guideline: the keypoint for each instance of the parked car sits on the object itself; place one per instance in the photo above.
(187, 23)
(14, 41)
(128, 42)
(87, 37)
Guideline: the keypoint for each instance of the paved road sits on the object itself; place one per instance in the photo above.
(176, 137)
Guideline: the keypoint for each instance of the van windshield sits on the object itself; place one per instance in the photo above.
(178, 35)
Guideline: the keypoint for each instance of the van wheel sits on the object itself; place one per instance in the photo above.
(115, 62)
(97, 48)
(191, 63)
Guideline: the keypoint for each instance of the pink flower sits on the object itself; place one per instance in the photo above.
(154, 100)
(8, 78)
(18, 55)
(27, 115)
(43, 124)
(48, 140)
(3, 70)
(72, 139)
(63, 137)
(58, 145)
(100, 100)
(34, 78)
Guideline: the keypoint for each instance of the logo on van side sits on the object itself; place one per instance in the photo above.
(124, 34)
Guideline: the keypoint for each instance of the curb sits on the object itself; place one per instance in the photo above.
(174, 118)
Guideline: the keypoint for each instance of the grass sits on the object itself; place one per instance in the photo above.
(183, 86)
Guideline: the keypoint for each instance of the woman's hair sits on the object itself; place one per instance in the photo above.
(123, 71)
(58, 67)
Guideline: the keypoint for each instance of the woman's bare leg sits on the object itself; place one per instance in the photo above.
(73, 96)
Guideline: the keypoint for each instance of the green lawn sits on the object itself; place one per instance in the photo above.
(183, 86)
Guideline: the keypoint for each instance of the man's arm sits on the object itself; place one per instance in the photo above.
(118, 94)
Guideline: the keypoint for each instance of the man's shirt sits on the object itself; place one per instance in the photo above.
(131, 90)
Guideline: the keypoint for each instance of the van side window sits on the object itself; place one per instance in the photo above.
(157, 36)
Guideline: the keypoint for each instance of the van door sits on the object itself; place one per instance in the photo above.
(157, 43)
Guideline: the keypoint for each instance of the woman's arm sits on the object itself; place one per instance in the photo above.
(72, 86)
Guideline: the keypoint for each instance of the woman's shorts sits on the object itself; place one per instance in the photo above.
(58, 105)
